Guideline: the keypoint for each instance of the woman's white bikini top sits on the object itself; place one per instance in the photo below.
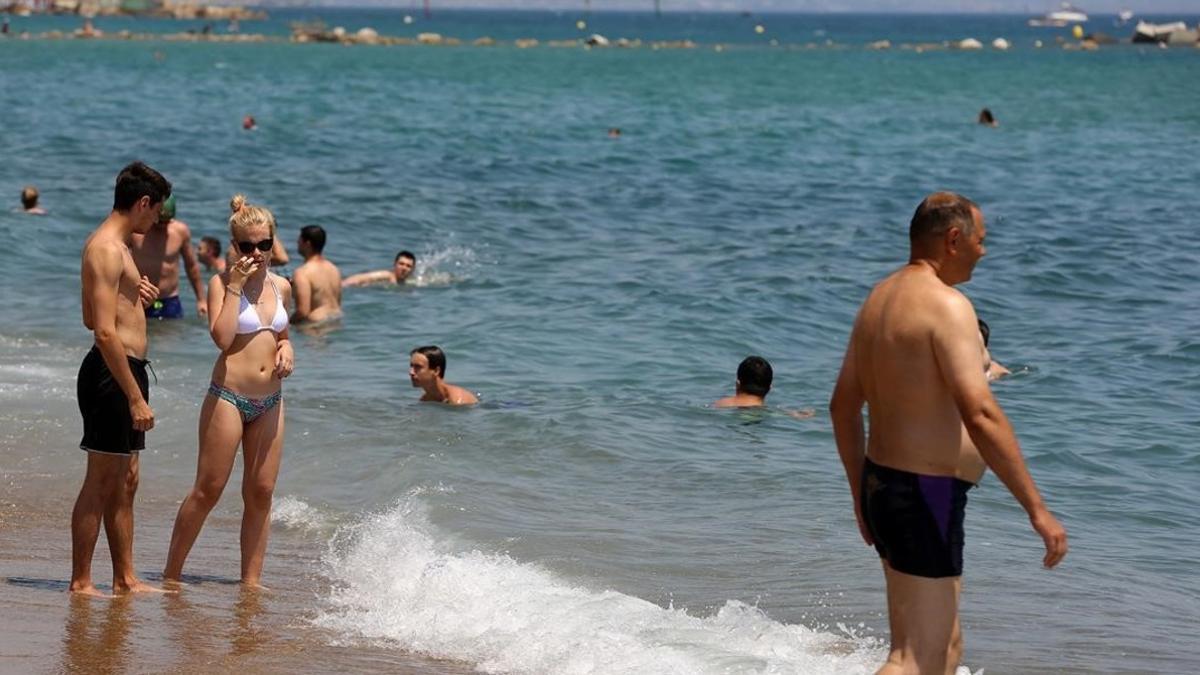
(248, 321)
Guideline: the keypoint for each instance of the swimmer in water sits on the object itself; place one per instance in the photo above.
(402, 268)
(427, 370)
(753, 382)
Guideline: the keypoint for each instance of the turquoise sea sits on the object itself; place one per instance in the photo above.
(593, 514)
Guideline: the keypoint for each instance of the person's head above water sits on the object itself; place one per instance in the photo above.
(210, 246)
(947, 232)
(986, 118)
(167, 214)
(754, 376)
(425, 363)
(312, 240)
(29, 197)
(139, 194)
(251, 229)
(403, 265)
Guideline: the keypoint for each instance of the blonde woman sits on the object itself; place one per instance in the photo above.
(248, 321)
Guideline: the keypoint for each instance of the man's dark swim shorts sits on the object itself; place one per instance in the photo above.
(165, 308)
(915, 520)
(107, 423)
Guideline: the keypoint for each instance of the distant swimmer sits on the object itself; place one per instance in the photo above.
(249, 123)
(244, 405)
(113, 388)
(402, 267)
(614, 132)
(915, 358)
(29, 201)
(992, 367)
(753, 382)
(987, 119)
(209, 255)
(317, 283)
(427, 370)
(158, 254)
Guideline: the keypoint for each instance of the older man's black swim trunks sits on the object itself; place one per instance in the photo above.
(107, 423)
(915, 520)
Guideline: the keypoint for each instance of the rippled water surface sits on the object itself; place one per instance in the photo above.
(593, 515)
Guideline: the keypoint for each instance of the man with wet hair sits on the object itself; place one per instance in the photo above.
(402, 267)
(29, 201)
(915, 358)
(427, 370)
(112, 387)
(753, 382)
(318, 282)
(158, 254)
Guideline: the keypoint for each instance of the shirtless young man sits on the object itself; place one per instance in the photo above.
(427, 370)
(916, 359)
(402, 267)
(317, 284)
(112, 387)
(157, 254)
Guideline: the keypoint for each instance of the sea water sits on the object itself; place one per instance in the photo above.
(593, 514)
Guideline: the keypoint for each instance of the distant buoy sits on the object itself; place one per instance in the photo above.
(1077, 31)
(1037, 43)
(759, 29)
(408, 19)
(581, 24)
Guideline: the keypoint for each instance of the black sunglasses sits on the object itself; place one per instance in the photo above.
(248, 247)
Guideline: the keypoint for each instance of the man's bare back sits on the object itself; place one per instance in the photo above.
(915, 423)
(318, 287)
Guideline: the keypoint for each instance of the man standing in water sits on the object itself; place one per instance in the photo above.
(157, 255)
(916, 359)
(112, 387)
(317, 283)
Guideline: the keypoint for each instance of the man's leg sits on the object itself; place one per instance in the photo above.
(923, 615)
(118, 527)
(104, 474)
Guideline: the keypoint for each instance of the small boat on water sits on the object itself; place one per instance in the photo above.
(1062, 16)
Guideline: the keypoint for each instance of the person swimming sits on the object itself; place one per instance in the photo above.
(427, 370)
(993, 368)
(752, 385)
(402, 267)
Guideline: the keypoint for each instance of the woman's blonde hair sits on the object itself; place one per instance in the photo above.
(246, 215)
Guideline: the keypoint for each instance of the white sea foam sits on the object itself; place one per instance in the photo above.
(444, 266)
(395, 584)
(294, 513)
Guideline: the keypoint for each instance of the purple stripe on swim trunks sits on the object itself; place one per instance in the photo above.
(936, 490)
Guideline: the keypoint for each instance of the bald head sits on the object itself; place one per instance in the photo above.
(938, 213)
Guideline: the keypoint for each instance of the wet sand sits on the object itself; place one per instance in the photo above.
(211, 625)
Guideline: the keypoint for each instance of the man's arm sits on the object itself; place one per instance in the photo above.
(192, 267)
(302, 287)
(279, 254)
(102, 269)
(845, 410)
(958, 349)
(368, 278)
